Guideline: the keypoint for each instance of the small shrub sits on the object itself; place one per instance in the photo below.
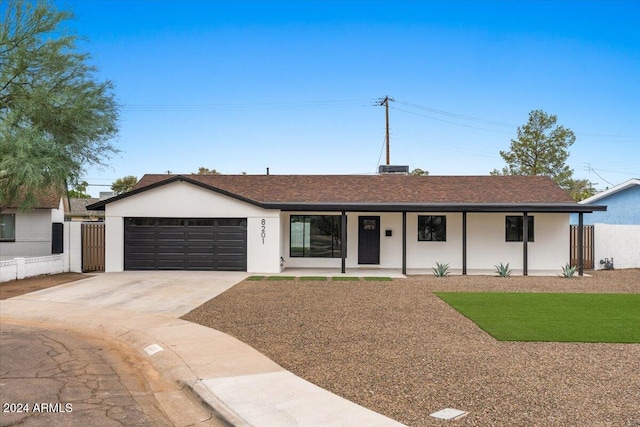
(440, 270)
(503, 270)
(568, 271)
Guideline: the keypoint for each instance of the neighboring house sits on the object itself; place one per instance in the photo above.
(78, 210)
(35, 232)
(254, 222)
(616, 232)
(622, 201)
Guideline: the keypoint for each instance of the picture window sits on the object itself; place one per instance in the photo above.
(432, 228)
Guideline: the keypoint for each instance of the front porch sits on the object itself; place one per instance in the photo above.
(398, 244)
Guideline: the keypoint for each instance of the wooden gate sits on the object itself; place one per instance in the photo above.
(92, 246)
(587, 244)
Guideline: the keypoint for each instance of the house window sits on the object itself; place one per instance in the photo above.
(316, 236)
(432, 228)
(513, 228)
(7, 227)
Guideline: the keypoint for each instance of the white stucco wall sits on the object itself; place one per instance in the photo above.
(263, 254)
(620, 242)
(57, 215)
(73, 246)
(185, 200)
(421, 254)
(486, 245)
(33, 234)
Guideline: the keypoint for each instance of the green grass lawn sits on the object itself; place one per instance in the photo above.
(280, 278)
(563, 317)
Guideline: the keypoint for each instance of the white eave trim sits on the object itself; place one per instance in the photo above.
(610, 191)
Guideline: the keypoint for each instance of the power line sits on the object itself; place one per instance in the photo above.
(590, 169)
(458, 116)
(449, 121)
(256, 106)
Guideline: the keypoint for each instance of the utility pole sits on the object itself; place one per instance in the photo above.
(385, 102)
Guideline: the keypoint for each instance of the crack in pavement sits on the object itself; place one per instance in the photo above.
(57, 377)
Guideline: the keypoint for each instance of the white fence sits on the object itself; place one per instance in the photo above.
(620, 242)
(19, 268)
(69, 260)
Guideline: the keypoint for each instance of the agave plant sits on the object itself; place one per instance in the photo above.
(441, 270)
(503, 270)
(568, 271)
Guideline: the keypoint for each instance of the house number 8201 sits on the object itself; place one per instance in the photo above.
(263, 229)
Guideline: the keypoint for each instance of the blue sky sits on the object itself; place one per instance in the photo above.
(240, 86)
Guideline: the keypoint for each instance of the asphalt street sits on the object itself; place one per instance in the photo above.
(55, 377)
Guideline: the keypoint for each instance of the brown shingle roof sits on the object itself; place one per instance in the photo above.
(78, 207)
(381, 188)
(46, 199)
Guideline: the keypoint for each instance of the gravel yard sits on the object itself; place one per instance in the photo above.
(397, 349)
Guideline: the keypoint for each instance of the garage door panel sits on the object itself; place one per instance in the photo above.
(185, 244)
(178, 236)
(170, 244)
(145, 234)
(231, 236)
(206, 235)
(229, 265)
(142, 264)
(230, 251)
(194, 264)
(141, 249)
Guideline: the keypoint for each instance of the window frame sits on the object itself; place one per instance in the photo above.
(519, 228)
(430, 238)
(336, 248)
(13, 237)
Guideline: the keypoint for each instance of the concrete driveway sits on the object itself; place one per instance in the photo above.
(169, 293)
(236, 383)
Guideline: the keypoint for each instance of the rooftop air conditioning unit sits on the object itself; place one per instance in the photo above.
(392, 169)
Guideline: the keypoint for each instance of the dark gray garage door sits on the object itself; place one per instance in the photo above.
(185, 244)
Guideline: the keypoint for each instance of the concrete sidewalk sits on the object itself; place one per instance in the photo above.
(240, 384)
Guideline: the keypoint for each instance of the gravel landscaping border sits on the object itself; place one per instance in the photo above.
(396, 348)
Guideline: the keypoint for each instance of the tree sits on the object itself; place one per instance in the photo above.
(541, 148)
(581, 189)
(206, 171)
(79, 191)
(124, 184)
(419, 172)
(55, 117)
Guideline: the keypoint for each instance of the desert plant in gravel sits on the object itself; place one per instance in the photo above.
(441, 270)
(503, 270)
(568, 271)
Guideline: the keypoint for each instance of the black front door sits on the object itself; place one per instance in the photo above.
(369, 240)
